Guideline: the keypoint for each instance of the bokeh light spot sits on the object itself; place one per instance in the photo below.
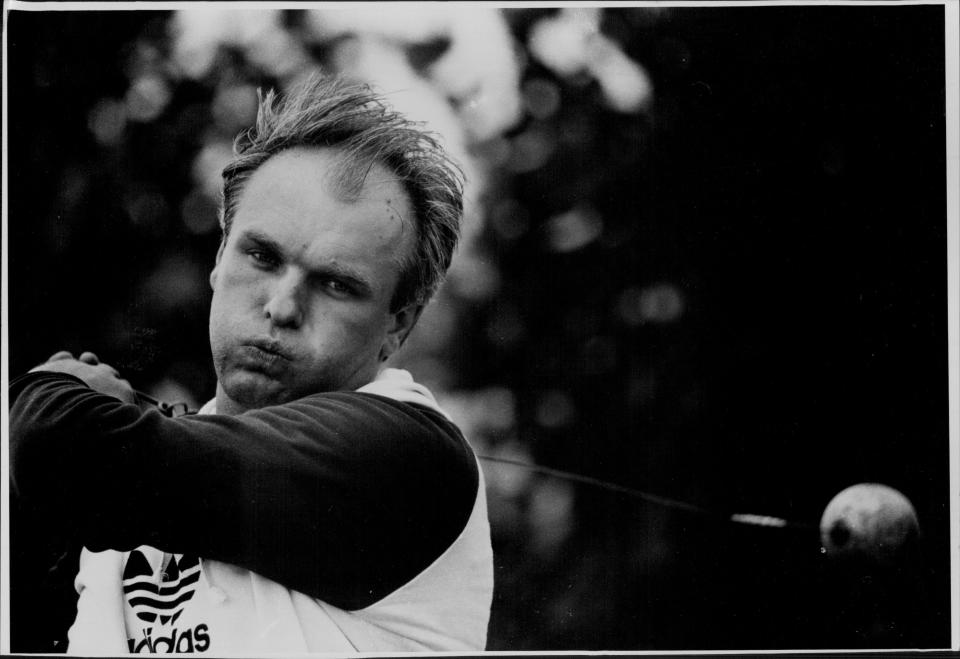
(147, 98)
(199, 213)
(473, 277)
(234, 107)
(208, 166)
(541, 97)
(107, 121)
(573, 230)
(555, 409)
(658, 303)
(550, 514)
(531, 150)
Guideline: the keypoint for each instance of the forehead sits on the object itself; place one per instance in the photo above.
(320, 177)
(296, 198)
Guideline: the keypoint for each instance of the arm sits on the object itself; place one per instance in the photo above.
(342, 496)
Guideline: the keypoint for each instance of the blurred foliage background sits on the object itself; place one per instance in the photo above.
(704, 256)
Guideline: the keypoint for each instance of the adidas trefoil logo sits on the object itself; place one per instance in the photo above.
(167, 600)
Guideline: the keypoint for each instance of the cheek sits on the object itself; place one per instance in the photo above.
(228, 307)
(236, 289)
(352, 331)
(219, 324)
(232, 272)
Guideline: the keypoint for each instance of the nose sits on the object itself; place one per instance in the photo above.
(284, 308)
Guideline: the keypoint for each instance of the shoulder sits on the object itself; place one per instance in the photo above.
(399, 484)
(379, 428)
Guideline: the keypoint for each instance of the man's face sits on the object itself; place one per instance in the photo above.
(303, 283)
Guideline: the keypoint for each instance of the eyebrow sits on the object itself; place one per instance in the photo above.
(348, 275)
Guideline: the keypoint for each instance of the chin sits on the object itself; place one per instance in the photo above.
(252, 390)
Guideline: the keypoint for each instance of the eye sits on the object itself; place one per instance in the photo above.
(263, 258)
(337, 288)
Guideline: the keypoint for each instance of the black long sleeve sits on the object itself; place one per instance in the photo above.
(342, 496)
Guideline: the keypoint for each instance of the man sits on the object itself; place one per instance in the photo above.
(320, 502)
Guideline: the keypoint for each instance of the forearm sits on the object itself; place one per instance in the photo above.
(125, 477)
(53, 462)
(325, 496)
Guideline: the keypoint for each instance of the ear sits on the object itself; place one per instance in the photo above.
(213, 273)
(402, 323)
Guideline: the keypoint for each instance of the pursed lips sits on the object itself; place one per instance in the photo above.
(266, 351)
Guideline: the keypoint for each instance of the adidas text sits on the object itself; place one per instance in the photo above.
(195, 640)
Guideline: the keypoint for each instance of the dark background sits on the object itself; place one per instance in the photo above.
(787, 185)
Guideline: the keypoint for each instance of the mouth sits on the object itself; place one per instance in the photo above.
(265, 353)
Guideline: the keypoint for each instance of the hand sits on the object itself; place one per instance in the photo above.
(99, 377)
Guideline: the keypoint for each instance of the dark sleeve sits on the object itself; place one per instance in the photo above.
(43, 601)
(342, 496)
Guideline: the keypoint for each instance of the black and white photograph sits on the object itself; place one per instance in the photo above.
(354, 328)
